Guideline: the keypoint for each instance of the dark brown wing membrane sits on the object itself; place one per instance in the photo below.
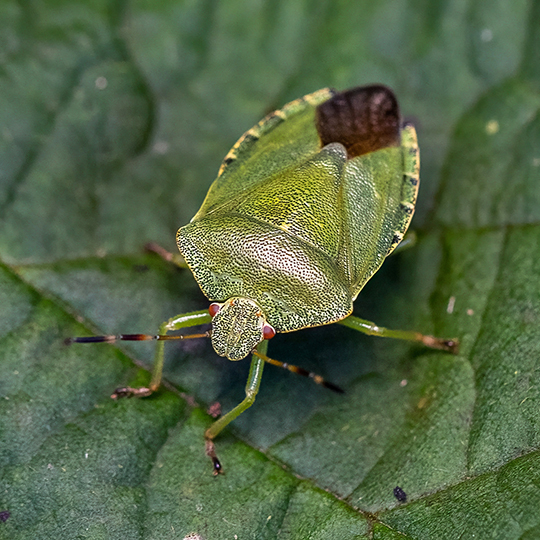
(362, 119)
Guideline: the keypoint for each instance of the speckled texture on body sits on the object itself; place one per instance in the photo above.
(297, 227)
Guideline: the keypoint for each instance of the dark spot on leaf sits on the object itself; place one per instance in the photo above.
(399, 494)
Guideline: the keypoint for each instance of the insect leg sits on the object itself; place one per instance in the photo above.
(174, 258)
(367, 327)
(252, 388)
(185, 320)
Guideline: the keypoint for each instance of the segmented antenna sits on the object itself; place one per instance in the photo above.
(301, 371)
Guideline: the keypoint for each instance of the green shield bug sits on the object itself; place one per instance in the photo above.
(305, 208)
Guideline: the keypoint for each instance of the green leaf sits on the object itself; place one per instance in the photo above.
(114, 118)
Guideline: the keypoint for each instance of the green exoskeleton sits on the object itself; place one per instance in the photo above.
(305, 208)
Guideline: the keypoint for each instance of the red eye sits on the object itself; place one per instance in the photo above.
(268, 332)
(214, 308)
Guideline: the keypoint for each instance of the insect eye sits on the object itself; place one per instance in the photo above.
(268, 332)
(214, 308)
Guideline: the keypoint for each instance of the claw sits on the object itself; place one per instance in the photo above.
(127, 391)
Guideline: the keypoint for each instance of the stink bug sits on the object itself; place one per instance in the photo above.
(304, 210)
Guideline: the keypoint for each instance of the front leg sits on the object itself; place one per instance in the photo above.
(185, 320)
(252, 389)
